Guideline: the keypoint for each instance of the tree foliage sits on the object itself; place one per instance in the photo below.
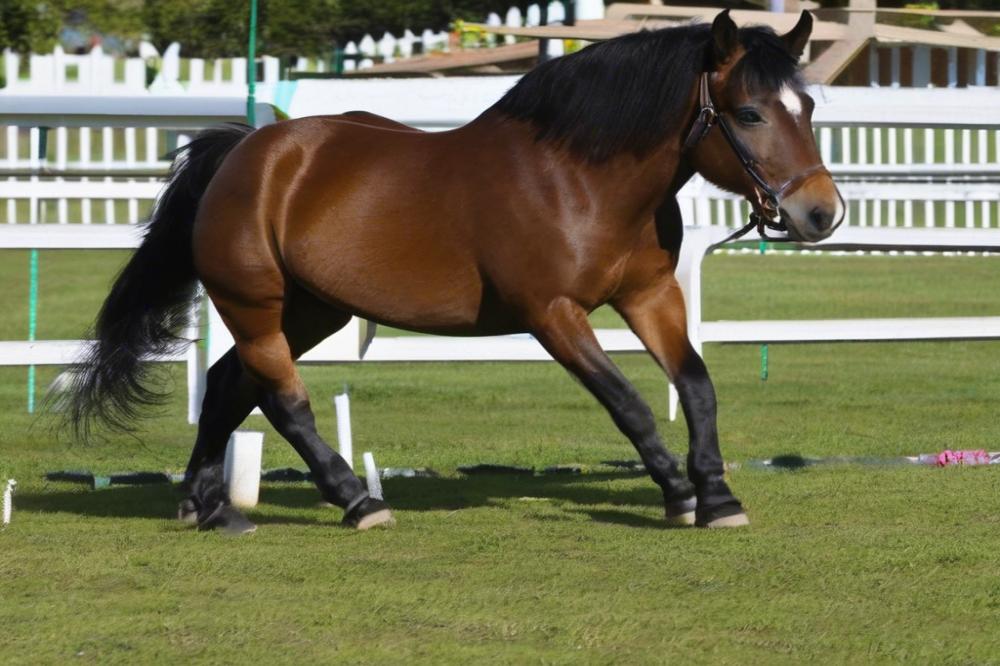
(28, 25)
(357, 17)
(218, 28)
(205, 28)
(121, 19)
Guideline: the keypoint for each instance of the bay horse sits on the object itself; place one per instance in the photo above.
(558, 199)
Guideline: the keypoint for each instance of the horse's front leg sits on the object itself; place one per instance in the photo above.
(564, 331)
(656, 314)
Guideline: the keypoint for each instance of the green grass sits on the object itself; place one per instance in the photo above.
(842, 563)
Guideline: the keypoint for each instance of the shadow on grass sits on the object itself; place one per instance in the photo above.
(628, 519)
(414, 494)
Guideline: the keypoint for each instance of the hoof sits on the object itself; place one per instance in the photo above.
(681, 513)
(187, 512)
(370, 513)
(735, 520)
(228, 521)
(729, 514)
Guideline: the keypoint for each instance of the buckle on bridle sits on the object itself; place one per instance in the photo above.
(707, 117)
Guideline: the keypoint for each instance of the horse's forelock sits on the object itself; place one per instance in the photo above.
(767, 66)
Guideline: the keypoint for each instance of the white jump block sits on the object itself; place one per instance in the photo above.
(371, 476)
(242, 467)
(345, 443)
(8, 500)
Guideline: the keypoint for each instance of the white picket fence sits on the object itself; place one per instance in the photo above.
(96, 73)
(866, 137)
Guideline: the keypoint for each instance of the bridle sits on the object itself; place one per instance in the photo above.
(766, 202)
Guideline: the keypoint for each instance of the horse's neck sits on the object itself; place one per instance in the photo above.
(651, 180)
(625, 187)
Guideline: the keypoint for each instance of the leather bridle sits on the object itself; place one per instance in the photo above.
(766, 202)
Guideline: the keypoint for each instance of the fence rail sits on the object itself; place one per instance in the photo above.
(38, 114)
(97, 73)
(905, 157)
(840, 113)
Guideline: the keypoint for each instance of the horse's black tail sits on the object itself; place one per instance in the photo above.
(150, 301)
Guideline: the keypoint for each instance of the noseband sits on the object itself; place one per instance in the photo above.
(766, 202)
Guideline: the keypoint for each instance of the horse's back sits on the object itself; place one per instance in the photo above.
(356, 208)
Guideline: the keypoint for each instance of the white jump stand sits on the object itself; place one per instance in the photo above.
(241, 469)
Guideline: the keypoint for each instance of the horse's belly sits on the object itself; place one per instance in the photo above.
(408, 280)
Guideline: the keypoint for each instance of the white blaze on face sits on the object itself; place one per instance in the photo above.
(791, 100)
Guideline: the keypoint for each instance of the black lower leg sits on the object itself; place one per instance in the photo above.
(567, 335)
(228, 401)
(635, 419)
(705, 464)
(293, 418)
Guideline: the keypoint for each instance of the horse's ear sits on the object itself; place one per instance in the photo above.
(725, 39)
(797, 37)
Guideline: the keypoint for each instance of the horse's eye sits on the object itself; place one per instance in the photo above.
(749, 117)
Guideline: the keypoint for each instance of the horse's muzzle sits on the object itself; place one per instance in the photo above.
(812, 214)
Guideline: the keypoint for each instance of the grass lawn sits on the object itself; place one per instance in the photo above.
(841, 564)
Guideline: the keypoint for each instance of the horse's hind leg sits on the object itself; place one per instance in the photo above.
(229, 398)
(230, 395)
(564, 331)
(267, 344)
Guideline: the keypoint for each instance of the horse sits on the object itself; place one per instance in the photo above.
(558, 199)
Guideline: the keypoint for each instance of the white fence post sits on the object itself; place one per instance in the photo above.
(533, 17)
(350, 57)
(386, 48)
(168, 80)
(272, 70)
(12, 67)
(587, 10)
(406, 43)
(367, 48)
(512, 20)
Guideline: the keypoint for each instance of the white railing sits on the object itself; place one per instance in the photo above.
(896, 110)
(94, 73)
(104, 168)
(864, 136)
(181, 115)
(97, 73)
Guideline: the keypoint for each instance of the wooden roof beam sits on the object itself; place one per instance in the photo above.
(468, 58)
(828, 66)
(824, 31)
(899, 34)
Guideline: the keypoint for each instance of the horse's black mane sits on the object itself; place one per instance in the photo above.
(628, 94)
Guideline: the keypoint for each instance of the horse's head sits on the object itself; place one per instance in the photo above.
(763, 147)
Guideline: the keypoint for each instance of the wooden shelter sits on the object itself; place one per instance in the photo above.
(844, 50)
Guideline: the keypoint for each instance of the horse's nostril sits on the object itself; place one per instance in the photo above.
(821, 219)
